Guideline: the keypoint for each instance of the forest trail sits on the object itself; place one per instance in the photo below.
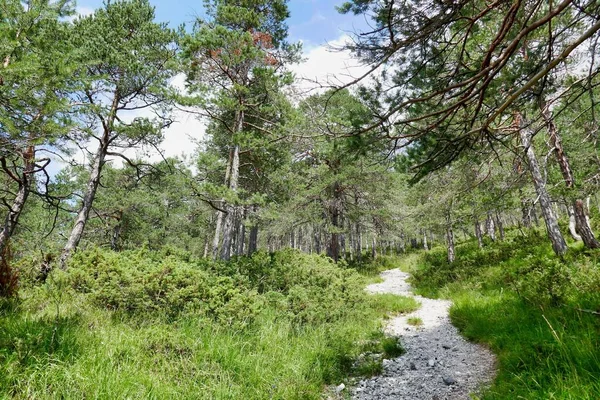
(438, 364)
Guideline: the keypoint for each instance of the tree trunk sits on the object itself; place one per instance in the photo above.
(450, 240)
(229, 226)
(500, 225)
(317, 239)
(525, 212)
(253, 240)
(86, 205)
(114, 241)
(581, 223)
(374, 248)
(572, 223)
(491, 226)
(478, 233)
(583, 226)
(12, 217)
(425, 245)
(558, 242)
(241, 238)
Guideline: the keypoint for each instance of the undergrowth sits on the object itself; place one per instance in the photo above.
(141, 324)
(534, 310)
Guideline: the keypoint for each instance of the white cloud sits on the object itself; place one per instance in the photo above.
(323, 67)
(326, 66)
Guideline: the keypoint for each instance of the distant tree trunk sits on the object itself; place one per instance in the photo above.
(525, 211)
(229, 227)
(581, 223)
(18, 204)
(491, 226)
(450, 239)
(572, 223)
(478, 233)
(358, 241)
(317, 239)
(558, 242)
(374, 248)
(500, 225)
(253, 240)
(425, 245)
(241, 237)
(534, 215)
(206, 244)
(86, 205)
(220, 214)
(114, 241)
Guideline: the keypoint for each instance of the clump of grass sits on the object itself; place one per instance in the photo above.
(414, 321)
(391, 303)
(392, 347)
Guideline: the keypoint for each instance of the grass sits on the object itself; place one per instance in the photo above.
(60, 344)
(414, 321)
(520, 300)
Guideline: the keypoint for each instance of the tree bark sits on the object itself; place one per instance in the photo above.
(425, 244)
(229, 225)
(86, 205)
(491, 226)
(478, 233)
(114, 241)
(572, 223)
(525, 212)
(558, 242)
(450, 239)
(14, 213)
(500, 225)
(220, 214)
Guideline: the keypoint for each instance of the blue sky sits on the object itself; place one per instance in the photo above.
(313, 22)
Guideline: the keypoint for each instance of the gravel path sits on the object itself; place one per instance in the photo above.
(438, 364)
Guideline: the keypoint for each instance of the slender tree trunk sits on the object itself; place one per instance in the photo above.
(14, 213)
(572, 223)
(253, 240)
(582, 225)
(478, 233)
(500, 225)
(241, 238)
(317, 239)
(558, 242)
(86, 205)
(206, 245)
(229, 225)
(374, 248)
(491, 226)
(114, 242)
(450, 239)
(525, 212)
(425, 244)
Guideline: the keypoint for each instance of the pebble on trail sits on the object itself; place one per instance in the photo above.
(438, 362)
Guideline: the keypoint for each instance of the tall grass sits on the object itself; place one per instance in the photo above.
(70, 346)
(525, 304)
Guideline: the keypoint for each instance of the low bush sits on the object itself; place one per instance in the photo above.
(142, 324)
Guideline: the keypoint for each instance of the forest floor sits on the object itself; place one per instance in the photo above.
(438, 363)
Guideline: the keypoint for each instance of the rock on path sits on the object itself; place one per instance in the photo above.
(438, 363)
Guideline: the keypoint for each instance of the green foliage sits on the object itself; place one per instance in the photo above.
(535, 312)
(145, 324)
